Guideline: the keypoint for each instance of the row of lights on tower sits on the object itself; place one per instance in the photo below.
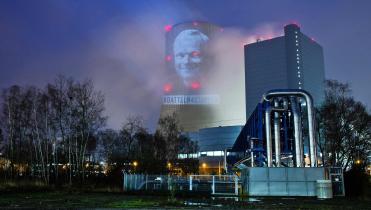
(298, 59)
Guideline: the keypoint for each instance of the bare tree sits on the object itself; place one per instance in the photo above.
(345, 126)
(87, 118)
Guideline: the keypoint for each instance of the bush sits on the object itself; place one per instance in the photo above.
(357, 183)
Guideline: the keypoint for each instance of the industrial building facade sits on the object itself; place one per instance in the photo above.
(292, 61)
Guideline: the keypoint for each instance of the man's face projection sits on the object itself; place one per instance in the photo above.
(187, 55)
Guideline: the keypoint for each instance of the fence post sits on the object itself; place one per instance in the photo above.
(146, 181)
(135, 181)
(213, 186)
(190, 182)
(123, 181)
(235, 185)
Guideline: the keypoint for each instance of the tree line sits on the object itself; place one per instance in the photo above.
(57, 134)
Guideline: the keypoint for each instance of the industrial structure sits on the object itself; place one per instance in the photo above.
(198, 101)
(275, 152)
(188, 71)
(292, 61)
(287, 110)
(212, 143)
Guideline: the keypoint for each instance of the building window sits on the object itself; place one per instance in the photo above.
(297, 62)
(297, 44)
(296, 32)
(297, 50)
(299, 83)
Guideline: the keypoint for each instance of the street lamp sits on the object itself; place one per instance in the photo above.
(135, 164)
(204, 165)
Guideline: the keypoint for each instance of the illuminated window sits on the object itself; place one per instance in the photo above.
(296, 36)
(299, 83)
(299, 87)
(297, 62)
(297, 50)
(296, 32)
(296, 41)
(298, 67)
(297, 58)
(299, 75)
(218, 153)
(210, 153)
(297, 44)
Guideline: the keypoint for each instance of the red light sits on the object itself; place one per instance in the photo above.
(293, 22)
(168, 88)
(168, 58)
(195, 53)
(195, 85)
(195, 23)
(168, 28)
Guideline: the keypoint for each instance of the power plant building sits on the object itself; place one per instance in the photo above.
(205, 108)
(292, 61)
(189, 67)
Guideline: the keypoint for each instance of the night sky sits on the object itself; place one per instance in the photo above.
(120, 44)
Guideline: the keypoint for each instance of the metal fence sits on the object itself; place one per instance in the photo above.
(213, 184)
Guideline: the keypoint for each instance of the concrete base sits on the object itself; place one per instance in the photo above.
(281, 181)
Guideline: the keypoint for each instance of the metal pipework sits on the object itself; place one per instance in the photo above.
(268, 135)
(225, 159)
(297, 132)
(252, 151)
(277, 140)
(308, 98)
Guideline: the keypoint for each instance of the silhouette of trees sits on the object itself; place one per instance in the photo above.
(43, 124)
(57, 134)
(345, 127)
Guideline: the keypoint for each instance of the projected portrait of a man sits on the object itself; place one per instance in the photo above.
(188, 57)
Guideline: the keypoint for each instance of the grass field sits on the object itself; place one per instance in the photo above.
(53, 200)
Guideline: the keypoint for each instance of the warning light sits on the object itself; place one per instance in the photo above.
(168, 88)
(195, 85)
(196, 53)
(293, 22)
(168, 58)
(168, 28)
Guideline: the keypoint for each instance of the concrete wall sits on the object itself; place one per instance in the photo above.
(281, 181)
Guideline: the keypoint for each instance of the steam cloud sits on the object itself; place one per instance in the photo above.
(228, 77)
